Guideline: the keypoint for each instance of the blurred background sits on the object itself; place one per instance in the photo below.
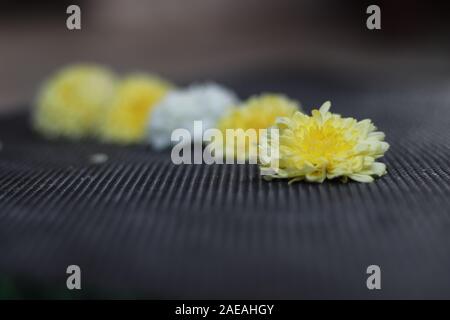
(222, 40)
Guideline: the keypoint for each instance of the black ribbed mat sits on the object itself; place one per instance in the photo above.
(139, 226)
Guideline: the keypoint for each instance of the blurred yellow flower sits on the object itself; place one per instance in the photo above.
(71, 102)
(258, 112)
(126, 119)
(325, 145)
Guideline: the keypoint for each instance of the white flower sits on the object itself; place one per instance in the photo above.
(180, 108)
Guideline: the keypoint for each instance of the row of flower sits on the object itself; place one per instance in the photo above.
(91, 101)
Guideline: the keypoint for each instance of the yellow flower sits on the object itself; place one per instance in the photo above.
(325, 145)
(258, 112)
(71, 102)
(126, 119)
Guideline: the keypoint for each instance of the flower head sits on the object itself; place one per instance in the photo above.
(258, 112)
(73, 100)
(125, 120)
(180, 108)
(325, 145)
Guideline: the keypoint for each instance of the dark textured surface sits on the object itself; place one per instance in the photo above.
(140, 226)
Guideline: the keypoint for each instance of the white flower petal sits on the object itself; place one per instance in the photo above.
(180, 108)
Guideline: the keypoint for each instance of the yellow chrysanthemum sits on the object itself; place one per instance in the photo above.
(325, 145)
(126, 119)
(259, 112)
(71, 102)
